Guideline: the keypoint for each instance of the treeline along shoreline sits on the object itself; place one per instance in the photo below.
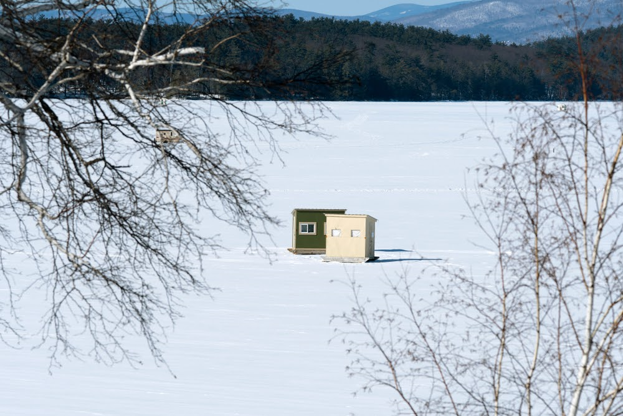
(273, 57)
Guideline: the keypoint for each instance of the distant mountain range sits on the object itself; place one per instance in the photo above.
(518, 21)
(124, 13)
(388, 14)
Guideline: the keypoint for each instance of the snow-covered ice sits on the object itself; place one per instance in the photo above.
(260, 346)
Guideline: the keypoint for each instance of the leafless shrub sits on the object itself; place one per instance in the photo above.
(541, 333)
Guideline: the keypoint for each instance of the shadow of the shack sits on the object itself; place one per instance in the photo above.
(401, 259)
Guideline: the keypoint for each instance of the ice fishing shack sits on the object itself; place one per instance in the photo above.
(309, 230)
(350, 238)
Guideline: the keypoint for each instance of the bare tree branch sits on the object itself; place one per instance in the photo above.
(111, 213)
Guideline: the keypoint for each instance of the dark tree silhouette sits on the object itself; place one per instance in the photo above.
(107, 211)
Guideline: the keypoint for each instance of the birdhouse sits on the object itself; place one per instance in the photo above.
(166, 136)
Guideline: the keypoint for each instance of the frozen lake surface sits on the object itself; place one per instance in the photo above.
(260, 346)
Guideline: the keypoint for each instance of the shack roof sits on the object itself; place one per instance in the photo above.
(318, 210)
(351, 216)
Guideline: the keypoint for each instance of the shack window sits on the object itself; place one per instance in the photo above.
(336, 233)
(355, 233)
(307, 228)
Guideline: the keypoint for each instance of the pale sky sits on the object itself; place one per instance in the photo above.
(351, 7)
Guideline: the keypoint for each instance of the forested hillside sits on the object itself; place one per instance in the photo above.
(394, 62)
(326, 59)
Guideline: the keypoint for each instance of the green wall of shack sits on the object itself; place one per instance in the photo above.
(318, 241)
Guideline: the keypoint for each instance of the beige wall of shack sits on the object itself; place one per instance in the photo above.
(350, 236)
